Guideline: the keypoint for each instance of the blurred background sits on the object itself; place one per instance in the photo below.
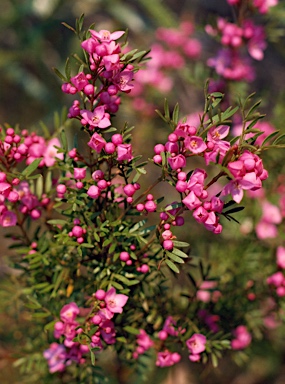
(33, 41)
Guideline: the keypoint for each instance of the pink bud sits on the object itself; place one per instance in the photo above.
(100, 294)
(93, 192)
(140, 207)
(124, 256)
(117, 139)
(168, 245)
(129, 190)
(79, 173)
(61, 188)
(110, 148)
(77, 231)
(150, 206)
(158, 148)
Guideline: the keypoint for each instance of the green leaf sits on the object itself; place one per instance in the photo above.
(121, 339)
(92, 356)
(172, 266)
(57, 222)
(87, 245)
(63, 140)
(32, 167)
(214, 360)
(137, 226)
(175, 258)
(131, 330)
(175, 114)
(269, 137)
(69, 27)
(40, 315)
(180, 244)
(180, 253)
(50, 325)
(60, 75)
(278, 139)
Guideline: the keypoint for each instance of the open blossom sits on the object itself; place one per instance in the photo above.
(264, 5)
(242, 338)
(97, 142)
(195, 144)
(196, 344)
(167, 359)
(69, 312)
(123, 81)
(97, 118)
(56, 356)
(51, 152)
(115, 302)
(124, 152)
(280, 257)
(105, 35)
(8, 219)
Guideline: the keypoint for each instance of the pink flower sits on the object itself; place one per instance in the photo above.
(264, 5)
(191, 201)
(196, 344)
(177, 162)
(56, 356)
(200, 214)
(265, 230)
(277, 279)
(69, 312)
(167, 359)
(79, 173)
(93, 192)
(217, 133)
(144, 340)
(51, 153)
(79, 81)
(115, 302)
(124, 152)
(97, 118)
(195, 144)
(97, 142)
(123, 81)
(242, 338)
(280, 257)
(8, 219)
(106, 36)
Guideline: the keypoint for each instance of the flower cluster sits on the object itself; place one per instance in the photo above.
(230, 63)
(16, 150)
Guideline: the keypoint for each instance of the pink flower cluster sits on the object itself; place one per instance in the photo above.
(167, 358)
(242, 338)
(144, 343)
(248, 174)
(170, 52)
(277, 279)
(116, 145)
(230, 62)
(110, 304)
(16, 149)
(235, 36)
(262, 6)
(207, 292)
(170, 329)
(106, 66)
(196, 345)
(59, 356)
(266, 228)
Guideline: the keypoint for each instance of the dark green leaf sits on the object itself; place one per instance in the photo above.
(172, 266)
